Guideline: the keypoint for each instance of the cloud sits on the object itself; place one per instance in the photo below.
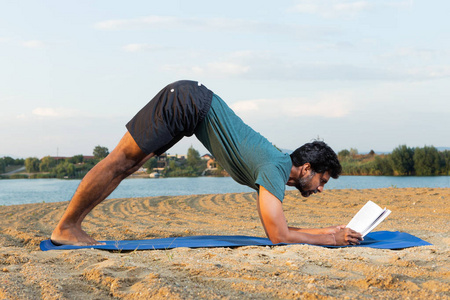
(267, 66)
(415, 54)
(330, 9)
(33, 44)
(247, 106)
(344, 8)
(227, 68)
(141, 47)
(48, 112)
(328, 108)
(170, 22)
(213, 69)
(221, 25)
(326, 105)
(429, 72)
(138, 23)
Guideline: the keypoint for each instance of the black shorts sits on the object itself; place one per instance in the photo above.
(172, 114)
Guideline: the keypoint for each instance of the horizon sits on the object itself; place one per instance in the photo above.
(289, 151)
(358, 74)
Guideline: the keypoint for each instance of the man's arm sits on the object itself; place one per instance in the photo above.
(274, 222)
(326, 230)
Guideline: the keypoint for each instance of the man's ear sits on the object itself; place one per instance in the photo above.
(305, 168)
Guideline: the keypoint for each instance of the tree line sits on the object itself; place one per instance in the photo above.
(402, 161)
(8, 163)
(77, 166)
(49, 167)
(192, 166)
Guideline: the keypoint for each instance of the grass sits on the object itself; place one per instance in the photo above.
(12, 168)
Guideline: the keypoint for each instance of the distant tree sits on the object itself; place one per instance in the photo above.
(76, 159)
(353, 152)
(402, 160)
(427, 161)
(46, 164)
(32, 164)
(9, 161)
(100, 152)
(383, 166)
(2, 166)
(343, 153)
(65, 169)
(193, 157)
(445, 162)
(192, 166)
(172, 164)
(151, 164)
(372, 153)
(19, 162)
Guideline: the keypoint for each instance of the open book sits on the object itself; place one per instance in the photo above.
(368, 217)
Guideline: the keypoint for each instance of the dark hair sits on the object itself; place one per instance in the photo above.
(321, 157)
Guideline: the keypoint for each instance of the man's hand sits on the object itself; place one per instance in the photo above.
(347, 236)
(331, 229)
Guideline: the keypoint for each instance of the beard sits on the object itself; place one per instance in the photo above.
(303, 185)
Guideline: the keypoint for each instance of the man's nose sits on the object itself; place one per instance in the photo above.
(320, 188)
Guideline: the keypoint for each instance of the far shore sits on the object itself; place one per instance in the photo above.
(24, 175)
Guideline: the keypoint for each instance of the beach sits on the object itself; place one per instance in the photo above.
(252, 272)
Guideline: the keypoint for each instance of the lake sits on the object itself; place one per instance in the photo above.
(22, 191)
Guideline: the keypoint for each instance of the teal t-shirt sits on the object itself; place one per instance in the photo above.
(246, 155)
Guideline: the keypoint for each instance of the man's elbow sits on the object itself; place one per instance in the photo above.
(278, 238)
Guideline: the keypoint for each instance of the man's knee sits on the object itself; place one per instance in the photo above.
(125, 157)
(116, 162)
(123, 162)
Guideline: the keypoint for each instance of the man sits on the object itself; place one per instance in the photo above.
(187, 107)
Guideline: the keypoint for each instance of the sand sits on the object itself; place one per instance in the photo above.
(281, 272)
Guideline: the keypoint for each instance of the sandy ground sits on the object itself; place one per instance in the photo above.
(282, 272)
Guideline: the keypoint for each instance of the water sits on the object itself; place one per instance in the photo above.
(22, 191)
(375, 182)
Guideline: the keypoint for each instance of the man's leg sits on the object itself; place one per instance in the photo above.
(98, 183)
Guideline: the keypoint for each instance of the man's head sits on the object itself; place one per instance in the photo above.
(316, 162)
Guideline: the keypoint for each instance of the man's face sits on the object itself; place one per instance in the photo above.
(312, 183)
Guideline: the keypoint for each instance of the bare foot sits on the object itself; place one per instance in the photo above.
(73, 236)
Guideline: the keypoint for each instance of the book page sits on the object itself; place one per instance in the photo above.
(380, 219)
(365, 217)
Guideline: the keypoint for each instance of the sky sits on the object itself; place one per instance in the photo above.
(367, 75)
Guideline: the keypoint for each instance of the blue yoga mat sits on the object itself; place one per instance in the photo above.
(379, 239)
